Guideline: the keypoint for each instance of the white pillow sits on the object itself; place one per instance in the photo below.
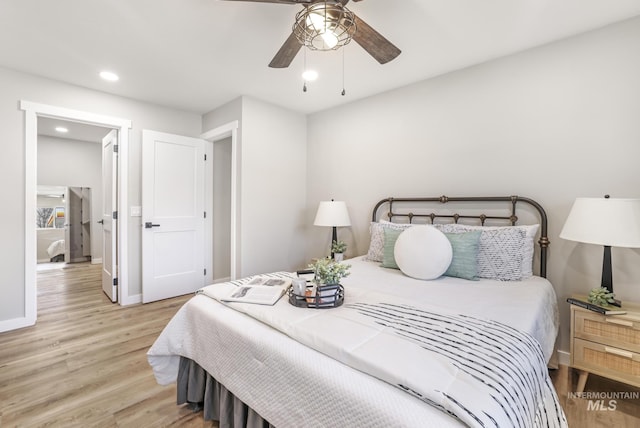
(376, 244)
(423, 252)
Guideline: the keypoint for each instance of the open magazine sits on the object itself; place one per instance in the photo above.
(261, 290)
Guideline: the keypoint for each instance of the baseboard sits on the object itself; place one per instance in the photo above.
(131, 300)
(16, 323)
(96, 261)
(220, 280)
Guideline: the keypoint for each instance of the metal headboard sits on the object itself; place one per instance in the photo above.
(511, 201)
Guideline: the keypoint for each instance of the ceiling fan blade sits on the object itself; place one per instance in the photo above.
(371, 41)
(287, 53)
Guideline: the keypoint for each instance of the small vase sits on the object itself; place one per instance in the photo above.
(338, 257)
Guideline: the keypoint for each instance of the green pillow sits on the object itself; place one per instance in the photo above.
(390, 238)
(465, 254)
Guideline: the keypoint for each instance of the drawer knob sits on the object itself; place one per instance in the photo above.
(619, 352)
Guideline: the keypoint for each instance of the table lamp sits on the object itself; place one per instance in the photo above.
(332, 213)
(610, 222)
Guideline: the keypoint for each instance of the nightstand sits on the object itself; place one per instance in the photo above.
(606, 345)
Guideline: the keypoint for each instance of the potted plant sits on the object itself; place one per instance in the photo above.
(338, 248)
(329, 272)
(601, 296)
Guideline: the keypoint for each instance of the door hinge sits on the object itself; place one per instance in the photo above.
(205, 272)
(115, 148)
(115, 215)
(205, 157)
(205, 214)
(115, 281)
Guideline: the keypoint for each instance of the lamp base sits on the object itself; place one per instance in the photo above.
(334, 238)
(607, 275)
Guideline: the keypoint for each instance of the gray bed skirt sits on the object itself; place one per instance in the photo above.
(201, 391)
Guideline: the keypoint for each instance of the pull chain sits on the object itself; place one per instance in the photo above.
(304, 84)
(343, 90)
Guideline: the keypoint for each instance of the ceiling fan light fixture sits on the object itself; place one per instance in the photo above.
(329, 39)
(324, 26)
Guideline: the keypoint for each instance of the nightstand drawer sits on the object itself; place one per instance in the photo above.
(613, 330)
(614, 363)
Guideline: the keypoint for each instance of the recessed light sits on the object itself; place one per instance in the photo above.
(61, 129)
(310, 75)
(109, 76)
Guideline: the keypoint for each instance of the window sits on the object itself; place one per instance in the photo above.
(50, 218)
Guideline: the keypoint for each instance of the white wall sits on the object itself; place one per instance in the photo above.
(16, 86)
(71, 163)
(272, 181)
(552, 124)
(273, 216)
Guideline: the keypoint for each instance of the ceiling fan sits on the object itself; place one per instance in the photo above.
(326, 25)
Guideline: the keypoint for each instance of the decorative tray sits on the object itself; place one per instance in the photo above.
(327, 296)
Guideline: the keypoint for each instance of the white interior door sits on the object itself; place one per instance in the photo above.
(109, 223)
(173, 253)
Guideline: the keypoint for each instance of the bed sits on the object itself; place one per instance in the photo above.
(56, 251)
(363, 364)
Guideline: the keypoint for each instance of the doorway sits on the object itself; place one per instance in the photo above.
(222, 202)
(65, 224)
(69, 185)
(220, 190)
(33, 113)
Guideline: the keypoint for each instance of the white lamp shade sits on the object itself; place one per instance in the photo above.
(604, 221)
(332, 213)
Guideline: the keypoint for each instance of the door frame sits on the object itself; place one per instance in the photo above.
(32, 112)
(220, 133)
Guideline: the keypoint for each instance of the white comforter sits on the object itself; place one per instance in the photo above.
(56, 248)
(270, 371)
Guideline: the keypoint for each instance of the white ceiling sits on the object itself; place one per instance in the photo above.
(76, 131)
(199, 54)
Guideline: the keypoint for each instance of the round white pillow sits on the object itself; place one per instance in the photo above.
(423, 252)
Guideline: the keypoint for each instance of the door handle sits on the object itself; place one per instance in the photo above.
(100, 221)
(149, 225)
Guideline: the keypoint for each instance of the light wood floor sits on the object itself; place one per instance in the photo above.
(84, 365)
(578, 410)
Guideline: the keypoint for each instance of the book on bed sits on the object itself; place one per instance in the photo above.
(260, 290)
